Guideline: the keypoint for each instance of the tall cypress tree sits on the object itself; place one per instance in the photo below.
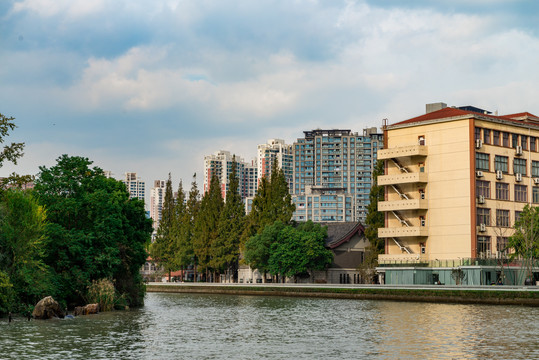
(162, 250)
(178, 224)
(226, 248)
(185, 255)
(206, 225)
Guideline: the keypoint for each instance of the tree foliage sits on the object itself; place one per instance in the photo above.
(163, 249)
(185, 255)
(95, 231)
(525, 240)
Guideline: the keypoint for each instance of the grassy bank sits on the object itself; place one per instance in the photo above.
(459, 296)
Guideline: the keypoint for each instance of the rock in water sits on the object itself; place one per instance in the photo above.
(86, 310)
(47, 308)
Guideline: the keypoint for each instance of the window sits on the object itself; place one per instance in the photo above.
(501, 163)
(521, 193)
(514, 140)
(502, 191)
(486, 136)
(505, 139)
(501, 244)
(477, 133)
(519, 166)
(524, 142)
(517, 215)
(532, 144)
(535, 168)
(421, 139)
(502, 218)
(481, 161)
(483, 188)
(496, 136)
(483, 244)
(535, 195)
(483, 216)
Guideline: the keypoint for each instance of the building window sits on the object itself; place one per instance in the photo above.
(486, 136)
(501, 244)
(502, 218)
(501, 163)
(521, 193)
(483, 188)
(519, 166)
(535, 168)
(502, 191)
(517, 215)
(483, 216)
(481, 161)
(421, 139)
(514, 140)
(535, 195)
(477, 133)
(532, 144)
(483, 245)
(524, 142)
(505, 139)
(496, 137)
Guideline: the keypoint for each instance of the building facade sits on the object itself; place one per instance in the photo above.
(275, 149)
(455, 181)
(157, 197)
(134, 185)
(333, 174)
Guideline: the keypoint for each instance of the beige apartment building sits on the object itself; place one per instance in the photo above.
(456, 179)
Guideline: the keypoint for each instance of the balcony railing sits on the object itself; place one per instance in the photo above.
(410, 204)
(404, 231)
(404, 178)
(403, 151)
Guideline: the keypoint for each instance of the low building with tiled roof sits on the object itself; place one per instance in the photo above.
(456, 178)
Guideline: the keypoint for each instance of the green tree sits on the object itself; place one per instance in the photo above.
(95, 231)
(525, 240)
(226, 248)
(206, 226)
(185, 255)
(11, 153)
(257, 250)
(300, 251)
(22, 240)
(163, 249)
(373, 221)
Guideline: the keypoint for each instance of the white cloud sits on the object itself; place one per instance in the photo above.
(70, 8)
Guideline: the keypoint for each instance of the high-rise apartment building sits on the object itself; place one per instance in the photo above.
(456, 180)
(157, 197)
(275, 149)
(333, 174)
(135, 186)
(220, 163)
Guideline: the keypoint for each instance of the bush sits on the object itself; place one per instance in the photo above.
(102, 292)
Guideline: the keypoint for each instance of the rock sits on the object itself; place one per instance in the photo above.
(47, 308)
(86, 310)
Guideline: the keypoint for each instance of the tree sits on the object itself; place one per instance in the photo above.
(373, 221)
(206, 225)
(95, 231)
(162, 250)
(226, 248)
(525, 240)
(22, 240)
(257, 251)
(300, 251)
(11, 153)
(185, 255)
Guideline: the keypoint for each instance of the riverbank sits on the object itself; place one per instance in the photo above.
(492, 295)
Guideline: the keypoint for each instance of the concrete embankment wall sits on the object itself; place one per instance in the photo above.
(486, 295)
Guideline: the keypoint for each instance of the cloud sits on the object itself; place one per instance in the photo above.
(70, 8)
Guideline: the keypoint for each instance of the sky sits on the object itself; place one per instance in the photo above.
(153, 86)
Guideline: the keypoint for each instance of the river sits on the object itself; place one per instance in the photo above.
(196, 326)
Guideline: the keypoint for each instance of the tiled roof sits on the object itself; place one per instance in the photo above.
(339, 233)
(450, 112)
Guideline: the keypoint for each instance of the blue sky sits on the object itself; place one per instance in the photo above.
(152, 86)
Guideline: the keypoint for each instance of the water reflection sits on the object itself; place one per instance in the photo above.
(183, 326)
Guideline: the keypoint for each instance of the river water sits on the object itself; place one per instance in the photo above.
(194, 326)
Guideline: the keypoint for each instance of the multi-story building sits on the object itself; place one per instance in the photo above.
(157, 197)
(135, 186)
(455, 181)
(220, 163)
(333, 174)
(275, 149)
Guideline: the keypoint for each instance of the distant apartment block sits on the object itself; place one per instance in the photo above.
(275, 149)
(134, 185)
(332, 174)
(456, 180)
(220, 164)
(157, 197)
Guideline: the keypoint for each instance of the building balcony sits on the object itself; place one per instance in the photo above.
(411, 204)
(403, 178)
(402, 151)
(386, 259)
(404, 231)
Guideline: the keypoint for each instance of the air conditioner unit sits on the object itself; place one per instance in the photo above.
(479, 173)
(536, 181)
(481, 199)
(478, 143)
(518, 150)
(482, 227)
(499, 175)
(518, 177)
